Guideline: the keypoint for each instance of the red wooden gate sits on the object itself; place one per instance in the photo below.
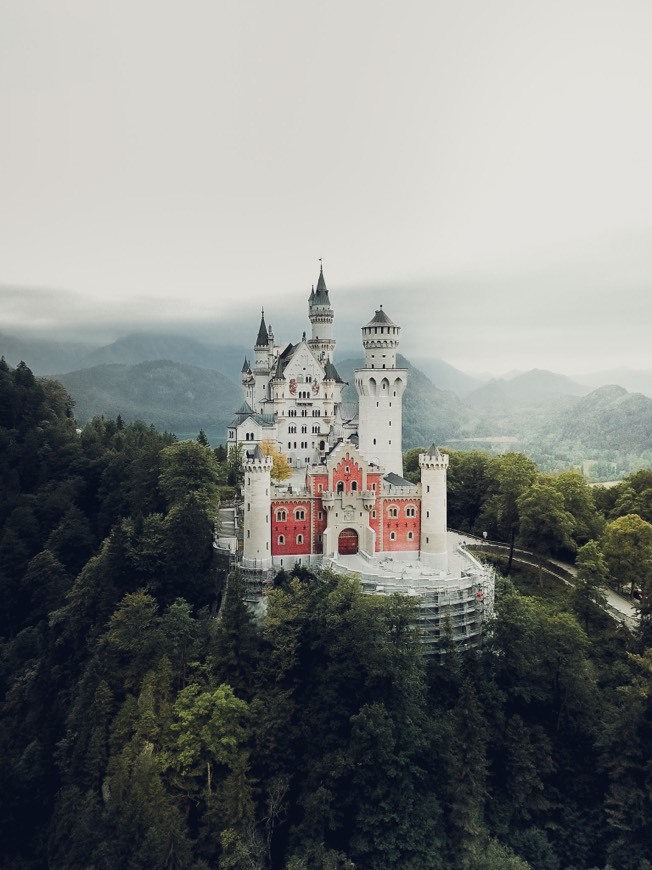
(348, 542)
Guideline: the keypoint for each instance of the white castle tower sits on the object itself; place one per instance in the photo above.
(257, 551)
(433, 509)
(380, 386)
(320, 314)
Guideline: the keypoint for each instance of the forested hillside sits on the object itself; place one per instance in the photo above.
(171, 396)
(143, 725)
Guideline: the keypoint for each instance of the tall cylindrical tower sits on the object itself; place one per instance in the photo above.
(257, 549)
(320, 314)
(380, 387)
(433, 509)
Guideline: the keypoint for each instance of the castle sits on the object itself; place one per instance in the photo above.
(347, 504)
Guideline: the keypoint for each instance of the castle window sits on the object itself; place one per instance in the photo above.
(320, 515)
(373, 514)
(428, 488)
(410, 512)
(281, 539)
(373, 486)
(304, 430)
(248, 533)
(289, 445)
(299, 514)
(248, 506)
(354, 486)
(347, 469)
(392, 536)
(340, 486)
(299, 539)
(410, 536)
(320, 487)
(392, 512)
(374, 440)
(281, 516)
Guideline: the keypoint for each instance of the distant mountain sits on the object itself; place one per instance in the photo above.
(446, 377)
(529, 388)
(43, 356)
(145, 346)
(429, 414)
(609, 418)
(174, 397)
(635, 381)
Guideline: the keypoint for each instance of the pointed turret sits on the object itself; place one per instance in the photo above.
(245, 366)
(320, 314)
(263, 337)
(321, 293)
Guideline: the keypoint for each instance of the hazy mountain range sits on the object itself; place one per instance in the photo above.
(184, 385)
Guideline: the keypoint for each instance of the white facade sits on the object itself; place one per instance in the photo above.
(434, 551)
(257, 552)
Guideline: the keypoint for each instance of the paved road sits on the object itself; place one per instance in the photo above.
(618, 606)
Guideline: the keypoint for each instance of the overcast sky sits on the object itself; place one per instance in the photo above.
(480, 167)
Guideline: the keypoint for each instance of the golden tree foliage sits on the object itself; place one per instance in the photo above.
(281, 468)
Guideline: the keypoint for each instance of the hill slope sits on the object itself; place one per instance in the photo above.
(429, 414)
(179, 398)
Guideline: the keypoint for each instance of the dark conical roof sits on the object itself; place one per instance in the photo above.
(278, 374)
(321, 293)
(263, 337)
(245, 365)
(381, 319)
(331, 373)
(434, 451)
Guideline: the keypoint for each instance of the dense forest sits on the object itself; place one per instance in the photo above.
(148, 720)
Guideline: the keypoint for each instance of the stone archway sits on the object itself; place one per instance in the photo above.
(347, 544)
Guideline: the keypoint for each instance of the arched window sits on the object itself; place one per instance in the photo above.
(299, 514)
(410, 536)
(354, 486)
(281, 539)
(340, 486)
(392, 536)
(410, 512)
(281, 515)
(299, 539)
(392, 512)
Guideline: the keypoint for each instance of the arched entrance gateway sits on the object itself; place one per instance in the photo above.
(347, 542)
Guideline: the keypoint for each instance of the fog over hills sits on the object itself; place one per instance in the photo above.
(171, 396)
(182, 384)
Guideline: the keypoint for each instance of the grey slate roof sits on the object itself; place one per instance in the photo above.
(278, 374)
(434, 451)
(397, 480)
(321, 293)
(263, 337)
(381, 319)
(245, 411)
(331, 373)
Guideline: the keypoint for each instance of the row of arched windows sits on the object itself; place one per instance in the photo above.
(282, 514)
(281, 539)
(393, 510)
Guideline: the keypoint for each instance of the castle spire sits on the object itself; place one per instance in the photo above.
(263, 336)
(321, 293)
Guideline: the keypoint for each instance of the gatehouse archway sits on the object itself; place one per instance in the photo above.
(347, 543)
